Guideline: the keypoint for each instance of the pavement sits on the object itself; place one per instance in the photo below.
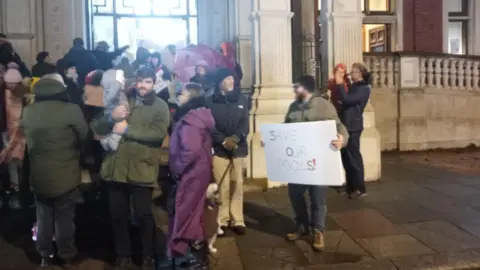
(417, 217)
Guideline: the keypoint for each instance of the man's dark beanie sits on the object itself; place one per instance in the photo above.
(308, 82)
(221, 74)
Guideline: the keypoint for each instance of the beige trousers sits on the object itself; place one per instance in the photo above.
(231, 190)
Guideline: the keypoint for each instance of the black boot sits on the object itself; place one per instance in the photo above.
(124, 264)
(46, 263)
(148, 263)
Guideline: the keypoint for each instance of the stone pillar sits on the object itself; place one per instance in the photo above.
(341, 22)
(243, 11)
(64, 20)
(272, 54)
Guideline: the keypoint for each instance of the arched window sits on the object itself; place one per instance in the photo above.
(149, 23)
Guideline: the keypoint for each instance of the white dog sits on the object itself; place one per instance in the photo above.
(211, 217)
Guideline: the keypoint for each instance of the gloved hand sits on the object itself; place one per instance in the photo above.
(231, 143)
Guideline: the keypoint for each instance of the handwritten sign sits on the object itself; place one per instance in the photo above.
(301, 153)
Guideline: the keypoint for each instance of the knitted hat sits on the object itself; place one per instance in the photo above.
(13, 65)
(94, 77)
(308, 82)
(49, 85)
(12, 76)
(221, 74)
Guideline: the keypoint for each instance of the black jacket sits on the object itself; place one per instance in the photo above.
(353, 104)
(105, 59)
(231, 118)
(83, 60)
(41, 69)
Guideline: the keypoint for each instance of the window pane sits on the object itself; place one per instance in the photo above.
(193, 7)
(149, 33)
(103, 29)
(170, 7)
(138, 7)
(375, 38)
(454, 5)
(455, 38)
(193, 31)
(102, 6)
(378, 5)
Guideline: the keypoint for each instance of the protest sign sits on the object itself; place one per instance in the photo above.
(301, 153)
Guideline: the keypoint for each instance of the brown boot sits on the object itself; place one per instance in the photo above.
(318, 242)
(301, 231)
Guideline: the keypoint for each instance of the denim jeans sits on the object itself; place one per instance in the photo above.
(318, 205)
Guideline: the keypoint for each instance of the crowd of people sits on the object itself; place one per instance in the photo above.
(134, 127)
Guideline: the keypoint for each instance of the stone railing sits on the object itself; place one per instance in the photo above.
(424, 70)
(424, 101)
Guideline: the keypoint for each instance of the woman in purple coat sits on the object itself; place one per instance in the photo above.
(190, 162)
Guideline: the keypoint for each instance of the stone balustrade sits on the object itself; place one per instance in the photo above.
(433, 70)
(425, 101)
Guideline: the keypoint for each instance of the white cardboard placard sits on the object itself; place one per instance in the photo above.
(301, 153)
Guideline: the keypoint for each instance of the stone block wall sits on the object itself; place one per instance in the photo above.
(426, 118)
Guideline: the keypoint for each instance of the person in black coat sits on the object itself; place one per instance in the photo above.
(104, 57)
(353, 103)
(8, 55)
(71, 77)
(43, 67)
(202, 77)
(230, 111)
(83, 60)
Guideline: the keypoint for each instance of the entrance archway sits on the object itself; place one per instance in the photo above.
(153, 24)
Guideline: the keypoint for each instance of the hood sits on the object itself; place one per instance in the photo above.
(47, 87)
(196, 113)
(142, 55)
(201, 118)
(110, 82)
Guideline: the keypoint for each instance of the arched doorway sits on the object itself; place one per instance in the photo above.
(149, 23)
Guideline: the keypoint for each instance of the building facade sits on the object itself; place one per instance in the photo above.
(276, 40)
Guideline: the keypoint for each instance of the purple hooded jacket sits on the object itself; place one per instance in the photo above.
(190, 159)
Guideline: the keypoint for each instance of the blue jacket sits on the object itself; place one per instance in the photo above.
(353, 104)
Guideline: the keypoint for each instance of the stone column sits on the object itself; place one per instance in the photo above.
(341, 22)
(243, 12)
(64, 20)
(272, 54)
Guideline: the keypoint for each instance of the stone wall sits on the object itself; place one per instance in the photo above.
(426, 118)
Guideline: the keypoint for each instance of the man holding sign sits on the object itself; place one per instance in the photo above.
(309, 108)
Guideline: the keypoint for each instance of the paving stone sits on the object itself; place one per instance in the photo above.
(405, 212)
(339, 248)
(442, 236)
(463, 259)
(267, 234)
(471, 182)
(228, 256)
(392, 246)
(341, 204)
(366, 223)
(369, 265)
(272, 258)
(454, 190)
